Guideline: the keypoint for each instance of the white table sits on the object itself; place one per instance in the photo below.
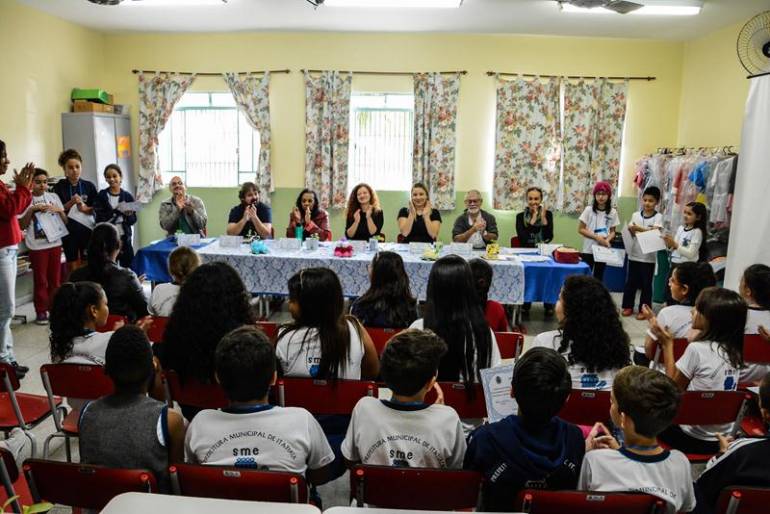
(145, 503)
(269, 273)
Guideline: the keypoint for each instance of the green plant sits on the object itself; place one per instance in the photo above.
(28, 509)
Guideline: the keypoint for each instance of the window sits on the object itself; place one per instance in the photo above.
(208, 142)
(381, 129)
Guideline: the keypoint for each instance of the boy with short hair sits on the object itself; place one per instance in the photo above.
(641, 266)
(644, 403)
(742, 462)
(534, 449)
(251, 433)
(405, 431)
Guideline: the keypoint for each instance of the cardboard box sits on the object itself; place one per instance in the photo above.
(86, 106)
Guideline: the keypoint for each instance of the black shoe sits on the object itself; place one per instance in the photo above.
(21, 371)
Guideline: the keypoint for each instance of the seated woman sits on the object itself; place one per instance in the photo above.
(419, 222)
(251, 217)
(105, 209)
(388, 303)
(309, 216)
(124, 291)
(534, 226)
(364, 217)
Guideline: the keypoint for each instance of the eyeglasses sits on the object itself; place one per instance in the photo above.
(472, 200)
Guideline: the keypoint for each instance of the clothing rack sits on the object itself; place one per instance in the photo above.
(545, 76)
(209, 73)
(683, 150)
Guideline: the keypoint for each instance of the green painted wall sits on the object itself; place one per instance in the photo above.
(219, 201)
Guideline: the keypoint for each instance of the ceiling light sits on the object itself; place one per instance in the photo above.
(420, 4)
(651, 8)
(174, 3)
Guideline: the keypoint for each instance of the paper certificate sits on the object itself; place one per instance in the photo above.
(496, 383)
(52, 225)
(611, 256)
(650, 241)
(87, 220)
(129, 207)
(628, 238)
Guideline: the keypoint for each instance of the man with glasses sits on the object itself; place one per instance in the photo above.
(182, 212)
(474, 225)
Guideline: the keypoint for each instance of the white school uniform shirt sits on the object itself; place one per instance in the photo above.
(34, 237)
(90, 348)
(689, 241)
(494, 355)
(708, 369)
(581, 377)
(666, 476)
(599, 223)
(300, 359)
(638, 219)
(385, 433)
(262, 437)
(162, 299)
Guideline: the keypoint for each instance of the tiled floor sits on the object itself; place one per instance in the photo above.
(32, 349)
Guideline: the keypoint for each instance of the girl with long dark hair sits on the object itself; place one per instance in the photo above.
(309, 215)
(388, 303)
(106, 210)
(77, 310)
(689, 242)
(755, 289)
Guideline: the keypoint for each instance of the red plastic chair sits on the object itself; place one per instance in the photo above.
(12, 486)
(237, 483)
(81, 485)
(456, 396)
(583, 502)
(193, 393)
(510, 344)
(381, 336)
(415, 488)
(112, 321)
(270, 329)
(81, 381)
(323, 396)
(21, 409)
(157, 329)
(680, 345)
(756, 349)
(743, 500)
(586, 407)
(515, 243)
(711, 408)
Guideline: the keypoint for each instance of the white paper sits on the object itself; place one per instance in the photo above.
(52, 225)
(129, 206)
(461, 249)
(230, 241)
(188, 239)
(548, 248)
(650, 241)
(289, 243)
(418, 248)
(628, 238)
(518, 251)
(87, 220)
(496, 383)
(611, 256)
(533, 258)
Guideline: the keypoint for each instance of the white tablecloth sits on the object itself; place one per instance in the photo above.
(269, 273)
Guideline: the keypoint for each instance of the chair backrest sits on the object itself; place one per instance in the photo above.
(586, 407)
(415, 488)
(83, 381)
(9, 474)
(680, 345)
(323, 396)
(237, 483)
(456, 395)
(381, 336)
(194, 393)
(157, 329)
(743, 500)
(270, 329)
(515, 243)
(112, 320)
(712, 408)
(756, 349)
(82, 485)
(510, 344)
(582, 502)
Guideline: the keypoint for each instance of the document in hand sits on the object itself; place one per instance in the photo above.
(87, 220)
(52, 225)
(611, 256)
(496, 383)
(129, 206)
(650, 241)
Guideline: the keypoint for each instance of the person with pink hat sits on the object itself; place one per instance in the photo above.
(597, 225)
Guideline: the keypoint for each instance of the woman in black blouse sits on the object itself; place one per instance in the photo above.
(364, 217)
(535, 226)
(419, 222)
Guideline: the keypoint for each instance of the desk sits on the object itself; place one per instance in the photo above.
(145, 503)
(152, 260)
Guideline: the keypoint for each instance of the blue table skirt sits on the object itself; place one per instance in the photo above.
(543, 280)
(152, 260)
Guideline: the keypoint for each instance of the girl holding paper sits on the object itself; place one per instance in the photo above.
(688, 244)
(44, 248)
(108, 209)
(78, 197)
(597, 226)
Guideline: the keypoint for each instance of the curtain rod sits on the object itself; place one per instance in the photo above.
(505, 74)
(209, 74)
(461, 72)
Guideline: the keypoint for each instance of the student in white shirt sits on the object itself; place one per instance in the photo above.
(686, 282)
(453, 312)
(688, 244)
(251, 433)
(644, 402)
(641, 266)
(597, 225)
(321, 341)
(755, 289)
(405, 431)
(181, 262)
(712, 362)
(590, 335)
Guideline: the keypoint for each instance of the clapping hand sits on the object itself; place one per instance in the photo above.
(428, 208)
(357, 215)
(724, 442)
(296, 215)
(24, 177)
(412, 209)
(308, 218)
(595, 441)
(480, 225)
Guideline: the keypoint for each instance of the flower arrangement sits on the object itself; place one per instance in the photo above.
(343, 249)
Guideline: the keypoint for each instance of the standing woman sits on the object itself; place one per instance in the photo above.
(11, 205)
(105, 208)
(597, 226)
(419, 222)
(307, 214)
(364, 217)
(81, 194)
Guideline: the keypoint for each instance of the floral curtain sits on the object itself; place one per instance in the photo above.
(327, 123)
(435, 125)
(594, 114)
(252, 94)
(527, 149)
(157, 96)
